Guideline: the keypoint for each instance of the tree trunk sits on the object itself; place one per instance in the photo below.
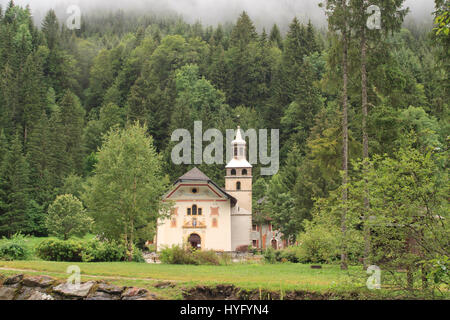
(365, 140)
(130, 242)
(424, 273)
(344, 265)
(131, 237)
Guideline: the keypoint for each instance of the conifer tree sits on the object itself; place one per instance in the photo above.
(72, 118)
(244, 32)
(39, 156)
(338, 20)
(275, 37)
(50, 28)
(14, 185)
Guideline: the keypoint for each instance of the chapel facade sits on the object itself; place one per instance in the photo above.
(206, 216)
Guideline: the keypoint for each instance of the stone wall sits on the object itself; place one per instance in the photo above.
(20, 287)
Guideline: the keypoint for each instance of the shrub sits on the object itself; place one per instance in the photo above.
(102, 251)
(137, 255)
(206, 257)
(180, 255)
(269, 255)
(85, 251)
(14, 248)
(225, 259)
(150, 247)
(252, 250)
(290, 254)
(285, 255)
(320, 244)
(177, 255)
(58, 250)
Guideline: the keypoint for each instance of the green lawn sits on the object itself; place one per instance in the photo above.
(272, 277)
(251, 276)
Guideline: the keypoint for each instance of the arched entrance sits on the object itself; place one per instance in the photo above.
(195, 241)
(274, 244)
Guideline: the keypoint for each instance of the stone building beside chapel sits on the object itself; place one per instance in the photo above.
(204, 215)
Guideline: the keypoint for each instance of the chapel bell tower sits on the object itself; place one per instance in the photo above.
(238, 181)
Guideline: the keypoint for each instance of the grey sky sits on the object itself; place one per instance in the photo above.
(211, 12)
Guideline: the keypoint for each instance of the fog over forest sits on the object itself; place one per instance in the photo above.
(211, 12)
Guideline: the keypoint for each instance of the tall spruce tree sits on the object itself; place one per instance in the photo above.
(338, 20)
(244, 32)
(14, 185)
(275, 37)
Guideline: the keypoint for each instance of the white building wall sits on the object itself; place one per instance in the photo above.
(241, 228)
(214, 238)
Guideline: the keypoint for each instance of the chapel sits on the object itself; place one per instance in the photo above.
(206, 216)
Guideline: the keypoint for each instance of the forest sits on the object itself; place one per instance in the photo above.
(363, 118)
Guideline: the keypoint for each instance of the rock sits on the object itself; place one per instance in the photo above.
(13, 280)
(7, 293)
(37, 295)
(100, 295)
(151, 257)
(109, 288)
(164, 284)
(38, 281)
(47, 288)
(133, 293)
(70, 290)
(25, 293)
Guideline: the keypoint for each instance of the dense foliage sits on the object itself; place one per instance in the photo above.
(14, 248)
(85, 251)
(180, 255)
(67, 217)
(74, 102)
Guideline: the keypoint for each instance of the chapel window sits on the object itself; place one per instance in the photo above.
(238, 185)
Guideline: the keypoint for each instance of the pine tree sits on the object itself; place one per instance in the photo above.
(50, 28)
(393, 17)
(310, 37)
(72, 118)
(298, 118)
(39, 156)
(293, 54)
(244, 32)
(338, 20)
(33, 93)
(14, 185)
(59, 158)
(275, 37)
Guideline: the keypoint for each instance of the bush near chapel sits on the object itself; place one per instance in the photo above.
(180, 255)
(85, 251)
